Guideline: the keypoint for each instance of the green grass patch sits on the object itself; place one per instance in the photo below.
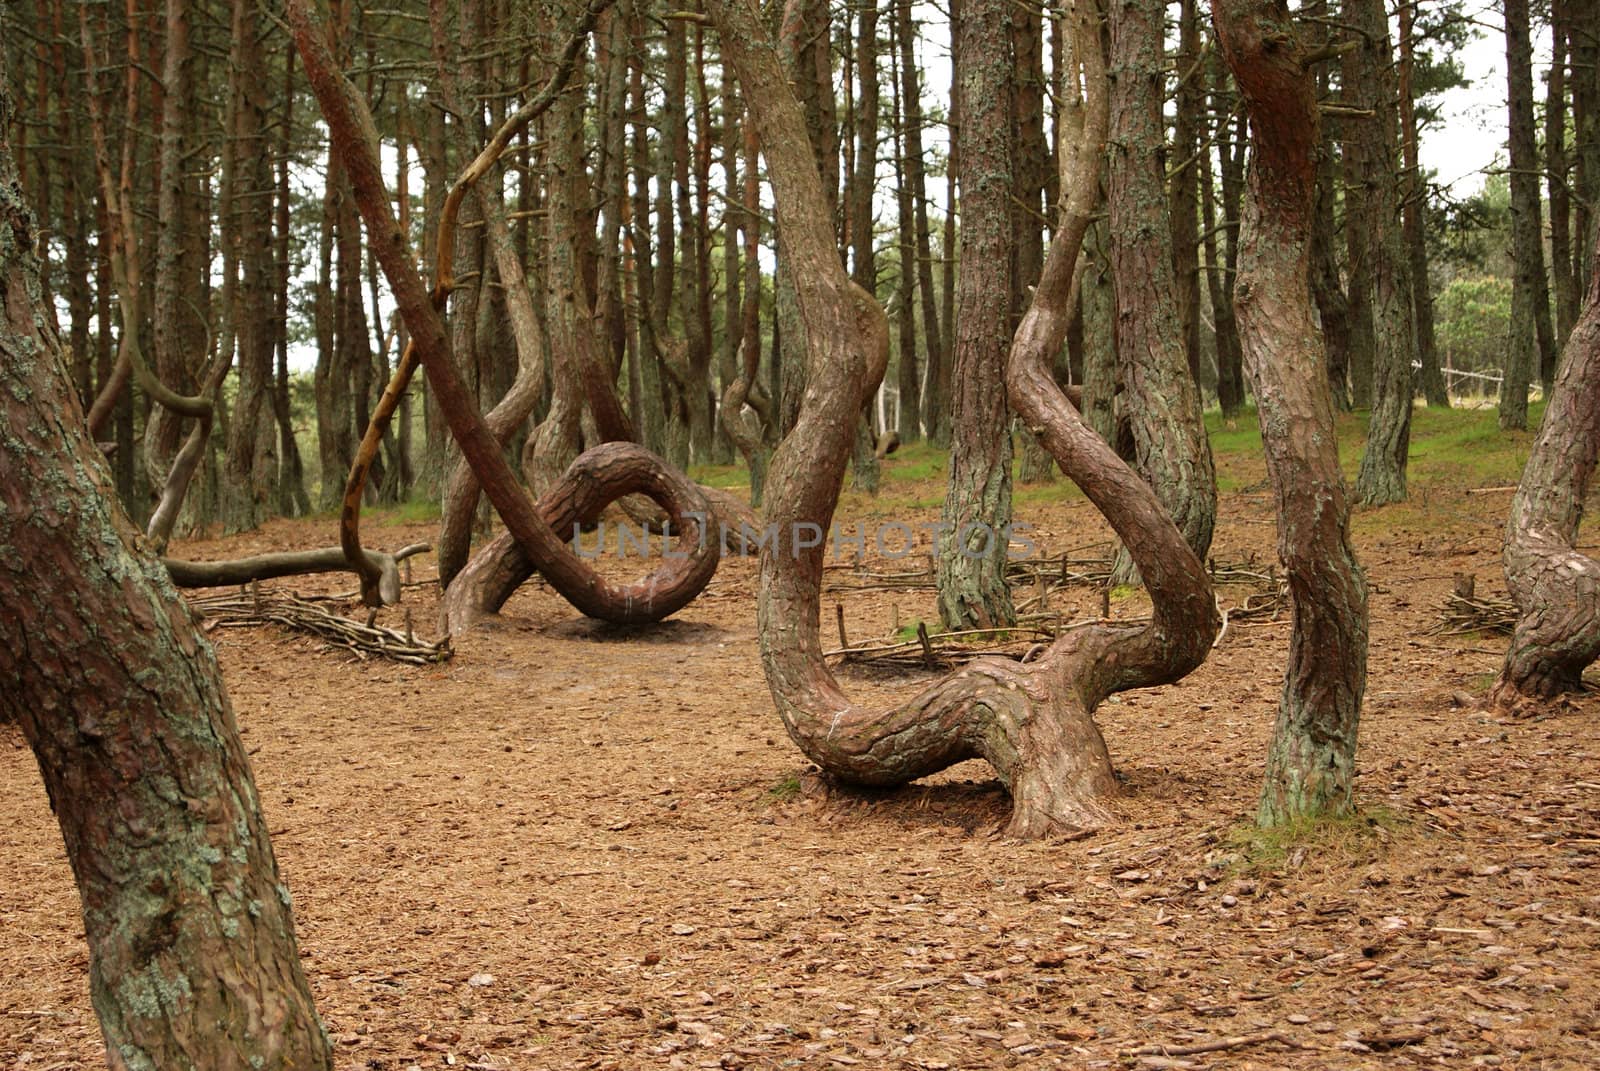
(1346, 840)
(786, 789)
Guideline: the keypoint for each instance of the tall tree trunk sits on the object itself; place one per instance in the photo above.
(863, 189)
(1558, 169)
(908, 368)
(1415, 192)
(1159, 394)
(1220, 272)
(934, 329)
(192, 955)
(252, 465)
(1373, 185)
(1190, 102)
(1031, 164)
(1311, 762)
(975, 538)
(1528, 288)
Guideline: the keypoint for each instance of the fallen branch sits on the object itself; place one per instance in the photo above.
(244, 609)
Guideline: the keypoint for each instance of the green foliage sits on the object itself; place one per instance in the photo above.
(1473, 319)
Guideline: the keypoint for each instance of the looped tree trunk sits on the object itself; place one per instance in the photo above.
(596, 479)
(1032, 722)
(352, 138)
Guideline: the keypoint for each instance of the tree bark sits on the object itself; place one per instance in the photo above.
(1528, 284)
(353, 140)
(1373, 188)
(1032, 722)
(192, 955)
(1415, 206)
(974, 542)
(1159, 394)
(1556, 586)
(1311, 762)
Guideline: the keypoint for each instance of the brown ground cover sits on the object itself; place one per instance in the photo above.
(577, 846)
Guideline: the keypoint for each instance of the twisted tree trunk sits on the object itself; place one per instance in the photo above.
(354, 142)
(1033, 722)
(1311, 765)
(1556, 587)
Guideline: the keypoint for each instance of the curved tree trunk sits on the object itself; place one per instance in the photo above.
(1556, 587)
(1311, 764)
(192, 956)
(350, 127)
(1033, 722)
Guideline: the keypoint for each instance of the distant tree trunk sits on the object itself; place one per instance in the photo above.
(1160, 396)
(1372, 181)
(1327, 289)
(936, 402)
(1311, 763)
(933, 328)
(1558, 169)
(1556, 586)
(292, 497)
(192, 956)
(1415, 206)
(1221, 271)
(1584, 41)
(863, 189)
(252, 466)
(975, 543)
(908, 367)
(1182, 162)
(1528, 290)
(1098, 297)
(1031, 164)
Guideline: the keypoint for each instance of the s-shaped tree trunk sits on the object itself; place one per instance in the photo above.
(1556, 587)
(1311, 765)
(192, 956)
(1033, 722)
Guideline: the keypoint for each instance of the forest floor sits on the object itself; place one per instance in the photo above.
(578, 846)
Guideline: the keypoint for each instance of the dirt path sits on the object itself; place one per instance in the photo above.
(582, 847)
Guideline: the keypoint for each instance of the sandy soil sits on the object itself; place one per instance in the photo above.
(575, 846)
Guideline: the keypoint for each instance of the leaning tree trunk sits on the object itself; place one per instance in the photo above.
(1160, 395)
(1311, 764)
(192, 956)
(1033, 722)
(1557, 588)
(975, 542)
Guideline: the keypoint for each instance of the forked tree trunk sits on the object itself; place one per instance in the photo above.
(1311, 764)
(1557, 588)
(192, 956)
(1033, 722)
